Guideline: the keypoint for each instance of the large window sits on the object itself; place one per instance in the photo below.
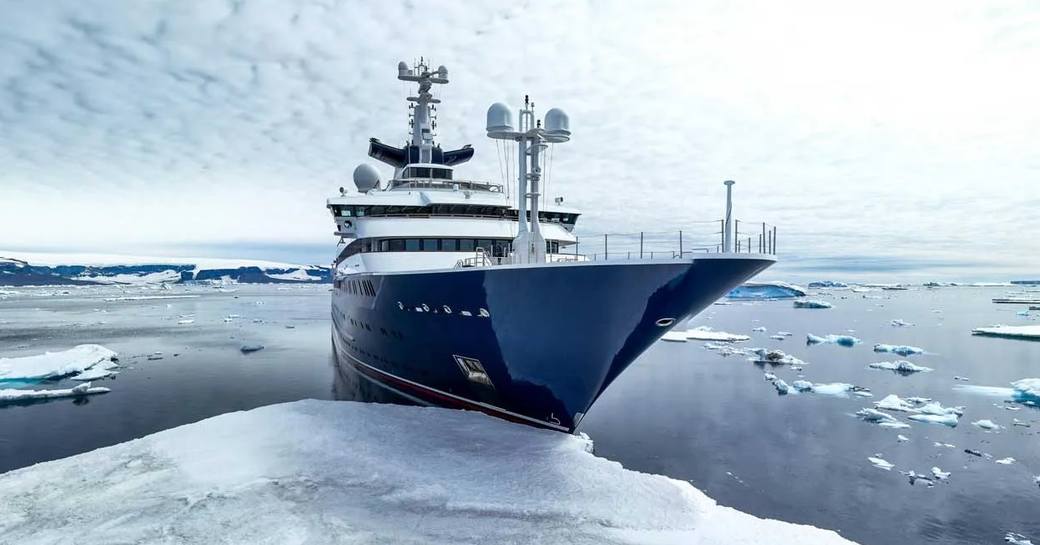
(495, 247)
(467, 210)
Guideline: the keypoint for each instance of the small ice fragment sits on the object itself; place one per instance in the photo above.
(900, 323)
(674, 337)
(944, 445)
(784, 333)
(880, 463)
(914, 477)
(987, 424)
(802, 385)
(1006, 461)
(902, 438)
(939, 474)
(901, 367)
(944, 419)
(781, 387)
(958, 377)
(186, 321)
(774, 357)
(85, 389)
(704, 333)
(777, 337)
(902, 350)
(247, 348)
(841, 340)
(1017, 539)
(290, 326)
(796, 367)
(769, 376)
(227, 319)
(759, 329)
(812, 303)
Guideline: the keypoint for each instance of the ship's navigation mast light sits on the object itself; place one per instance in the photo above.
(532, 137)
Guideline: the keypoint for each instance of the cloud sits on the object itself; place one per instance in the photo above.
(874, 130)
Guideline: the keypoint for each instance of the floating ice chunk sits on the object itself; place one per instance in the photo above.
(939, 474)
(882, 419)
(769, 376)
(828, 284)
(148, 297)
(777, 337)
(914, 477)
(893, 402)
(1006, 461)
(8, 395)
(247, 348)
(1017, 539)
(766, 290)
(759, 329)
(880, 463)
(784, 333)
(774, 357)
(272, 469)
(948, 419)
(781, 387)
(902, 438)
(842, 340)
(902, 367)
(835, 389)
(958, 377)
(1026, 390)
(1009, 331)
(902, 350)
(812, 303)
(54, 364)
(98, 371)
(186, 321)
(674, 336)
(900, 323)
(802, 385)
(944, 445)
(705, 333)
(987, 424)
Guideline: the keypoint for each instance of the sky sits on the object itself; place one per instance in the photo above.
(884, 138)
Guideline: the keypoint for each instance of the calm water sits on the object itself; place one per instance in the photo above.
(681, 410)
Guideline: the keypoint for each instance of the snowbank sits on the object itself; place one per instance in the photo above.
(54, 364)
(1010, 331)
(319, 471)
(766, 290)
(812, 303)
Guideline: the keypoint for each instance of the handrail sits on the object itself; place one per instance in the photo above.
(757, 238)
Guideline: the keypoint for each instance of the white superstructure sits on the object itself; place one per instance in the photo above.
(426, 217)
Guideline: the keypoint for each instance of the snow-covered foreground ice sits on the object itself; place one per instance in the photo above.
(1010, 331)
(8, 395)
(344, 472)
(55, 364)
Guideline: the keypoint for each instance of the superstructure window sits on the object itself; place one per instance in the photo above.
(449, 244)
(429, 245)
(497, 247)
(411, 245)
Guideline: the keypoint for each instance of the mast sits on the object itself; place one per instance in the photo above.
(423, 122)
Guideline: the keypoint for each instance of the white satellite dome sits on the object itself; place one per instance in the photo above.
(366, 177)
(557, 126)
(499, 119)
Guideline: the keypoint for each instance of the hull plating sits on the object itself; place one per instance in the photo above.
(536, 345)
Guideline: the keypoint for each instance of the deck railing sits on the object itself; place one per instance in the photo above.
(700, 238)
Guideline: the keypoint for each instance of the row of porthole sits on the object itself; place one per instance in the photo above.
(445, 309)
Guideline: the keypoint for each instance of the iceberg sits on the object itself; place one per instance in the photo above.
(1027, 390)
(1009, 331)
(893, 402)
(279, 474)
(841, 340)
(812, 303)
(9, 395)
(987, 424)
(922, 409)
(54, 364)
(902, 367)
(882, 419)
(775, 357)
(766, 290)
(948, 419)
(902, 350)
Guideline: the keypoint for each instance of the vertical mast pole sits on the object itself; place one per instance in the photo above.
(727, 237)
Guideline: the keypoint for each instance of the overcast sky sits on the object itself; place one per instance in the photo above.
(890, 137)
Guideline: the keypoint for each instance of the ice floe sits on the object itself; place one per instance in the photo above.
(186, 321)
(54, 364)
(1017, 539)
(902, 367)
(900, 323)
(948, 419)
(915, 476)
(841, 340)
(882, 419)
(759, 329)
(1027, 390)
(1006, 461)
(987, 425)
(411, 475)
(880, 463)
(939, 474)
(828, 284)
(902, 350)
(1009, 331)
(812, 303)
(705, 333)
(8, 395)
(766, 290)
(902, 438)
(98, 371)
(774, 357)
(921, 409)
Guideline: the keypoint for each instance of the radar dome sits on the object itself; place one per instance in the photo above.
(499, 119)
(366, 177)
(442, 71)
(402, 68)
(557, 126)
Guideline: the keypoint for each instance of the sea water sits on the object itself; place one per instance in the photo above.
(681, 410)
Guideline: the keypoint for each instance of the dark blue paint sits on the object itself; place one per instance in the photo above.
(555, 336)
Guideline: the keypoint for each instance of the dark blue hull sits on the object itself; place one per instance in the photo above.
(531, 344)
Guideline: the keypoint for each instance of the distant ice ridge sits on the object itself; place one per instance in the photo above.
(411, 475)
(766, 290)
(56, 364)
(1010, 331)
(828, 284)
(11, 394)
(812, 303)
(842, 340)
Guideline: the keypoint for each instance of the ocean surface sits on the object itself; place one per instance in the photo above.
(681, 410)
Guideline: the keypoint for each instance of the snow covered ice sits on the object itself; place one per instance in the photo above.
(812, 303)
(766, 290)
(704, 333)
(880, 463)
(841, 340)
(987, 425)
(882, 419)
(344, 472)
(902, 350)
(55, 364)
(1010, 331)
(902, 367)
(8, 395)
(1017, 539)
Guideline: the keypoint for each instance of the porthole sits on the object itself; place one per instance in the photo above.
(665, 322)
